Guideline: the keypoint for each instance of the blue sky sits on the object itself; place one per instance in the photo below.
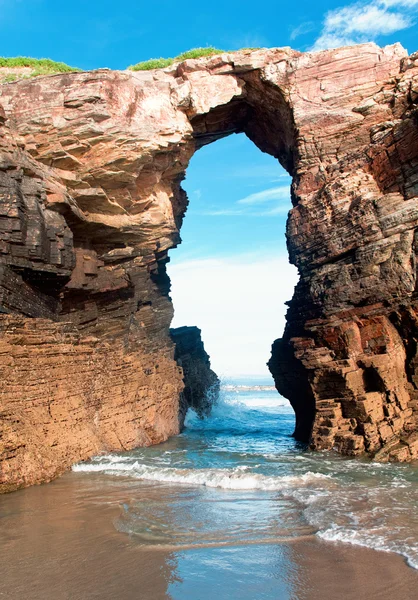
(108, 34)
(238, 193)
(231, 275)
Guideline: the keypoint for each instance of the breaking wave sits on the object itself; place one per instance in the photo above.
(239, 478)
(245, 453)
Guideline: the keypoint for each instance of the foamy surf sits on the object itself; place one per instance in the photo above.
(246, 448)
(372, 540)
(230, 479)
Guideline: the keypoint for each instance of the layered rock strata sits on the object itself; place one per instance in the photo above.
(201, 384)
(91, 201)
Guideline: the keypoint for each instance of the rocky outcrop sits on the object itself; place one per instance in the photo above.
(91, 201)
(201, 384)
(348, 357)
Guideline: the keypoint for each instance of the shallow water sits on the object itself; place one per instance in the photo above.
(240, 478)
(233, 508)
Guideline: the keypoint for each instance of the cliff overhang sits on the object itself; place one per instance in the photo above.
(91, 201)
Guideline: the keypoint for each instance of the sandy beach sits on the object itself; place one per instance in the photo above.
(60, 542)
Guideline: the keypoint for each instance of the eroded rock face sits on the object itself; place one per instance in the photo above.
(351, 327)
(201, 384)
(91, 201)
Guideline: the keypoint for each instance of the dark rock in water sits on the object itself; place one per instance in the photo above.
(91, 166)
(201, 384)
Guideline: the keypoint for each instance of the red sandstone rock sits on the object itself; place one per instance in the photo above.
(90, 202)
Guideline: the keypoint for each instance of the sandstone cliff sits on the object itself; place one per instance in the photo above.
(91, 166)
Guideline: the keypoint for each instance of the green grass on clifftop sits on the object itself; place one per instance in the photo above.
(159, 63)
(24, 66)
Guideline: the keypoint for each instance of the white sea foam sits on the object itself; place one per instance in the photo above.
(320, 494)
(372, 540)
(248, 388)
(239, 478)
(256, 402)
(357, 502)
(368, 517)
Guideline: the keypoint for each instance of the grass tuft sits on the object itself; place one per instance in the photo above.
(38, 66)
(152, 63)
(198, 53)
(45, 66)
(160, 63)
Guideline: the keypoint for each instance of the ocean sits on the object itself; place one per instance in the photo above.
(223, 506)
(251, 482)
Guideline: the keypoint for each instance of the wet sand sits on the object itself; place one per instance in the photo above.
(60, 542)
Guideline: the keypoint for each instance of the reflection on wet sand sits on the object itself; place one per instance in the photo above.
(58, 542)
(65, 541)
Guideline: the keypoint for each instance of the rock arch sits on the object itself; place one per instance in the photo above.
(91, 173)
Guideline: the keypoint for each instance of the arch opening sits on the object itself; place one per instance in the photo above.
(231, 274)
(263, 114)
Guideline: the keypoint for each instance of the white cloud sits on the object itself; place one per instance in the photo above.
(369, 19)
(364, 21)
(402, 3)
(248, 206)
(302, 29)
(277, 210)
(223, 213)
(329, 40)
(277, 193)
(258, 171)
(238, 302)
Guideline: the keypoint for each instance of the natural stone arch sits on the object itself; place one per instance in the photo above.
(91, 175)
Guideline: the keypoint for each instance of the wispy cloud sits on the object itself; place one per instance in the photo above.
(364, 21)
(273, 201)
(223, 212)
(277, 193)
(406, 3)
(259, 171)
(267, 172)
(302, 29)
(282, 209)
